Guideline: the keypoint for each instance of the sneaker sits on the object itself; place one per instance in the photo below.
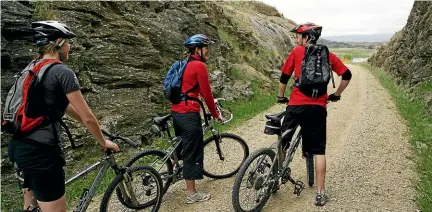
(321, 199)
(197, 197)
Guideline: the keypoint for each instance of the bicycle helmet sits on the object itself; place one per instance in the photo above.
(313, 30)
(198, 40)
(46, 31)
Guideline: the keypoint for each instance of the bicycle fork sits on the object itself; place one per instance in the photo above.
(218, 140)
(127, 191)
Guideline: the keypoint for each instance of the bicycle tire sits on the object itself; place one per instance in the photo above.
(153, 152)
(117, 180)
(310, 170)
(234, 138)
(238, 180)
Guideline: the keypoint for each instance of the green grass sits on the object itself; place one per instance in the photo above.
(246, 109)
(412, 107)
(236, 74)
(355, 52)
(347, 54)
(43, 11)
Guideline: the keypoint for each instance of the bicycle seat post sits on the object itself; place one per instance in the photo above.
(168, 132)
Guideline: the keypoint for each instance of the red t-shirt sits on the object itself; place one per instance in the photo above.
(293, 63)
(196, 72)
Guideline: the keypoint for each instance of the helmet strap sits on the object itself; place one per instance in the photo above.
(201, 55)
(301, 40)
(58, 47)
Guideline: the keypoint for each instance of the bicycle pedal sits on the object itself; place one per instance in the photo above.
(298, 187)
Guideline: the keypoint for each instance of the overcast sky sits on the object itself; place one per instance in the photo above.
(345, 17)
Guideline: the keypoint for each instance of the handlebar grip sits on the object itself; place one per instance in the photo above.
(130, 142)
(126, 140)
(106, 133)
(108, 152)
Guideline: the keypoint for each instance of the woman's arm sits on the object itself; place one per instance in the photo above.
(70, 111)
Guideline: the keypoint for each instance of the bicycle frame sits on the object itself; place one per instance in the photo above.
(208, 125)
(282, 163)
(105, 162)
(175, 142)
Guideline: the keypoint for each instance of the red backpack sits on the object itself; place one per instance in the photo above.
(24, 106)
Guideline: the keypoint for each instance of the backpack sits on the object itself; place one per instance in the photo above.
(173, 82)
(23, 110)
(315, 71)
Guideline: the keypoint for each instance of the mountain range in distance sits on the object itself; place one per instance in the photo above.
(360, 38)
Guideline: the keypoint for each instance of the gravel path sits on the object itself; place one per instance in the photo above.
(368, 165)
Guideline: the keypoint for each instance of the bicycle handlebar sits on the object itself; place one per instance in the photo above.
(219, 109)
(113, 137)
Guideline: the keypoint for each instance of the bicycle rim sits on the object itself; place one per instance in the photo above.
(251, 189)
(224, 156)
(146, 187)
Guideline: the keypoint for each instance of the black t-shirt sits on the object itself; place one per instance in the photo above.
(58, 81)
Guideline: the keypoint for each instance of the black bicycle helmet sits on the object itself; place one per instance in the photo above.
(46, 31)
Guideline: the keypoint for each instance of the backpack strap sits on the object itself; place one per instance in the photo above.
(185, 96)
(69, 134)
(202, 106)
(331, 70)
(41, 73)
(52, 118)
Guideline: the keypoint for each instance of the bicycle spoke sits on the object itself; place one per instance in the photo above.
(223, 155)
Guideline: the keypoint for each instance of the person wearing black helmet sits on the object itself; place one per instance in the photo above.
(38, 153)
(309, 109)
(186, 116)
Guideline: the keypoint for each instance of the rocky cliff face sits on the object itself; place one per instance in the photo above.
(408, 55)
(123, 50)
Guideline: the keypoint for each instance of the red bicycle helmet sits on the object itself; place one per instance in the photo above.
(313, 30)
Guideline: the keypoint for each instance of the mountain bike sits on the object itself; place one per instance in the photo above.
(125, 181)
(224, 153)
(266, 167)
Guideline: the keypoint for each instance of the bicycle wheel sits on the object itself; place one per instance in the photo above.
(223, 155)
(138, 182)
(154, 158)
(251, 179)
(310, 169)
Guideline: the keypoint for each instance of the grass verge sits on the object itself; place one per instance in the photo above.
(244, 110)
(347, 54)
(413, 108)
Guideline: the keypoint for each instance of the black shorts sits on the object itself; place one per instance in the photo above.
(191, 150)
(42, 168)
(313, 122)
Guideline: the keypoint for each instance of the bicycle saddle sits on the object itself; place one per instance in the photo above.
(276, 117)
(161, 120)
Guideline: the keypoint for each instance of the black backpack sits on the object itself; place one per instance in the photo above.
(315, 71)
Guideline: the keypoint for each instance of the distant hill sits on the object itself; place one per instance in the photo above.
(363, 45)
(361, 38)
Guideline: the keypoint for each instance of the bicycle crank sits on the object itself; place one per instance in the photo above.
(298, 187)
(286, 175)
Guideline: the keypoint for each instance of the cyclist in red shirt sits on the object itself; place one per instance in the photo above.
(310, 113)
(186, 116)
